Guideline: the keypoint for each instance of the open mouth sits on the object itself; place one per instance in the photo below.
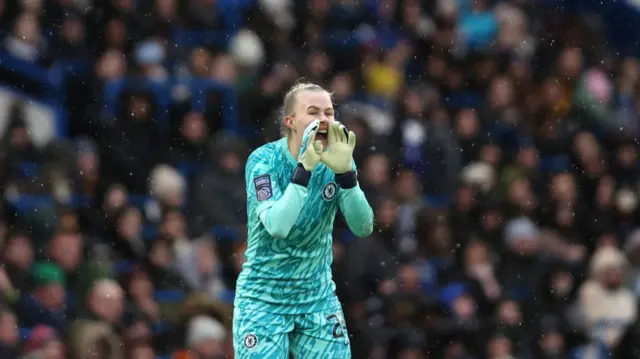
(321, 135)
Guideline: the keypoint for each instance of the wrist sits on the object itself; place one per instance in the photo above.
(301, 176)
(347, 180)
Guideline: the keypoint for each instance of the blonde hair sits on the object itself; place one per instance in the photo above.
(290, 100)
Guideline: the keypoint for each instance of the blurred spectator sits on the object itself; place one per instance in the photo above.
(607, 323)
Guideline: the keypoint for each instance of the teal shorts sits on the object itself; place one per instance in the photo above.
(273, 336)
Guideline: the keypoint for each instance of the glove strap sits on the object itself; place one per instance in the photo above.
(347, 180)
(301, 176)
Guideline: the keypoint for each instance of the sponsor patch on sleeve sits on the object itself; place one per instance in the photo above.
(264, 190)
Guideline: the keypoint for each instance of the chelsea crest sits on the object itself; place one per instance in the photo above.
(329, 191)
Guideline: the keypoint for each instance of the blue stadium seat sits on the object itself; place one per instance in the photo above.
(25, 333)
(437, 201)
(50, 80)
(189, 38)
(461, 100)
(199, 90)
(159, 328)
(224, 233)
(188, 169)
(227, 296)
(169, 296)
(139, 200)
(29, 169)
(149, 232)
(554, 164)
(123, 267)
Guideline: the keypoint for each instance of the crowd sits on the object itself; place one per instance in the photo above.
(497, 144)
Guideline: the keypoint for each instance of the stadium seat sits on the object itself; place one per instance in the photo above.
(123, 267)
(201, 88)
(437, 201)
(149, 232)
(29, 170)
(224, 233)
(461, 100)
(49, 80)
(169, 296)
(189, 38)
(25, 333)
(554, 164)
(188, 169)
(227, 296)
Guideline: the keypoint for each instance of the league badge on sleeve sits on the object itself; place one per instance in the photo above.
(264, 190)
(329, 191)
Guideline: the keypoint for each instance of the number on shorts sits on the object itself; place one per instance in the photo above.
(337, 328)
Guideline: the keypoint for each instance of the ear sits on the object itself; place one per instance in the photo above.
(290, 123)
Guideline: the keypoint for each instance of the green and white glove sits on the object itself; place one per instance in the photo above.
(340, 145)
(311, 150)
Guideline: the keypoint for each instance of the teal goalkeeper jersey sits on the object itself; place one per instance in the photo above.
(292, 274)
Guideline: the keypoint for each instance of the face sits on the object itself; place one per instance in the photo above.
(528, 157)
(194, 127)
(54, 349)
(130, 224)
(509, 313)
(108, 304)
(173, 225)
(309, 106)
(116, 199)
(387, 213)
(27, 29)
(73, 31)
(51, 296)
(20, 253)
(66, 250)
(200, 60)
(88, 163)
(139, 107)
(407, 186)
(140, 285)
(209, 348)
(464, 306)
(376, 170)
(467, 125)
(561, 284)
(476, 254)
(499, 347)
(8, 328)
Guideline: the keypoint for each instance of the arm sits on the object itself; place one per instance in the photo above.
(277, 211)
(354, 205)
(281, 215)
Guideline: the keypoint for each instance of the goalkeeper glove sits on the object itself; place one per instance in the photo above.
(340, 145)
(311, 150)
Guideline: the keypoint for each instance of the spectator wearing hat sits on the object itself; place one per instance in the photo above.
(96, 330)
(205, 338)
(607, 307)
(48, 302)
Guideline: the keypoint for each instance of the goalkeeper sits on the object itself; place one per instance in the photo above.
(285, 297)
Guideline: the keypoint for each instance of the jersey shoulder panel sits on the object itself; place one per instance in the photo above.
(262, 158)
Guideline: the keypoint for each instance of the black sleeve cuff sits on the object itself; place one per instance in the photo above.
(347, 180)
(301, 176)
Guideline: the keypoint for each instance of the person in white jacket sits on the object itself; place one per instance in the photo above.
(606, 306)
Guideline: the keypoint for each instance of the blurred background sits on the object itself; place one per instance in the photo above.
(497, 143)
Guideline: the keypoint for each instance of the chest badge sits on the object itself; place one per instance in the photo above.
(329, 191)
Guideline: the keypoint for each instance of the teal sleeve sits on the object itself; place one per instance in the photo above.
(281, 215)
(356, 211)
